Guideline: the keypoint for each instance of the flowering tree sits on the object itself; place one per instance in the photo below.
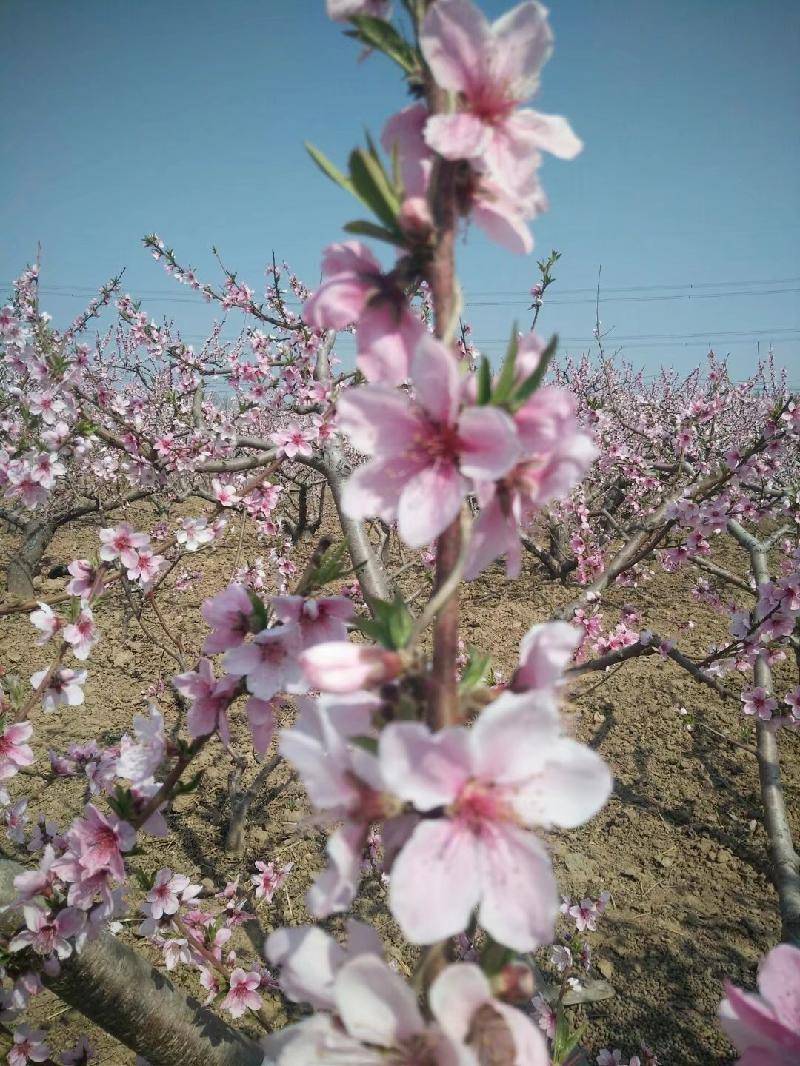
(416, 762)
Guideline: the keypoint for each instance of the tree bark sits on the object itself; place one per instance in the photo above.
(114, 987)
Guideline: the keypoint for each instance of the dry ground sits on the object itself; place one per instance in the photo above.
(680, 845)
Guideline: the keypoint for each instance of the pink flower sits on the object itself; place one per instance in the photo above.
(229, 614)
(424, 451)
(86, 582)
(461, 1000)
(121, 542)
(82, 634)
(146, 566)
(557, 454)
(500, 213)
(98, 841)
(546, 1016)
(14, 752)
(242, 995)
(494, 67)
(48, 934)
(169, 891)
(139, 759)
(344, 781)
(225, 494)
(317, 620)
(195, 533)
(269, 879)
(294, 441)
(766, 1027)
(356, 290)
(341, 10)
(792, 701)
(47, 622)
(342, 667)
(29, 1046)
(310, 959)
(378, 1021)
(544, 653)
(268, 662)
(79, 1055)
(63, 687)
(585, 914)
(511, 771)
(757, 701)
(210, 698)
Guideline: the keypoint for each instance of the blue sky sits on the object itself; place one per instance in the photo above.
(187, 117)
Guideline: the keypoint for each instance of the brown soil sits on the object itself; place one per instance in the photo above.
(680, 845)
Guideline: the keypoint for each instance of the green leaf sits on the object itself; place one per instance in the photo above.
(401, 625)
(379, 34)
(373, 187)
(370, 628)
(494, 957)
(527, 388)
(484, 381)
(363, 228)
(505, 381)
(476, 669)
(391, 625)
(331, 566)
(369, 744)
(260, 614)
(183, 788)
(329, 169)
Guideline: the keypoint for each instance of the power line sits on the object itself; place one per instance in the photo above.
(767, 332)
(77, 287)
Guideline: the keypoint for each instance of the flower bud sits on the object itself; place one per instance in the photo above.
(341, 667)
(514, 983)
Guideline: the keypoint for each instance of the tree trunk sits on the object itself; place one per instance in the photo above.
(118, 990)
(23, 565)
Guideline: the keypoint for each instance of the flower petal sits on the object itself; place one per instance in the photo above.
(548, 133)
(429, 503)
(519, 896)
(570, 789)
(434, 372)
(375, 1004)
(455, 995)
(456, 42)
(438, 904)
(489, 443)
(513, 736)
(457, 136)
(779, 984)
(523, 42)
(309, 959)
(378, 420)
(335, 888)
(426, 769)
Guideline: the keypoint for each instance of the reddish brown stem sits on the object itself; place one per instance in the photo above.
(443, 706)
(443, 709)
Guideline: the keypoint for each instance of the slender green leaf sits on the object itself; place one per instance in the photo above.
(331, 171)
(331, 566)
(527, 388)
(476, 669)
(364, 228)
(400, 626)
(505, 381)
(484, 381)
(379, 34)
(260, 613)
(370, 628)
(374, 188)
